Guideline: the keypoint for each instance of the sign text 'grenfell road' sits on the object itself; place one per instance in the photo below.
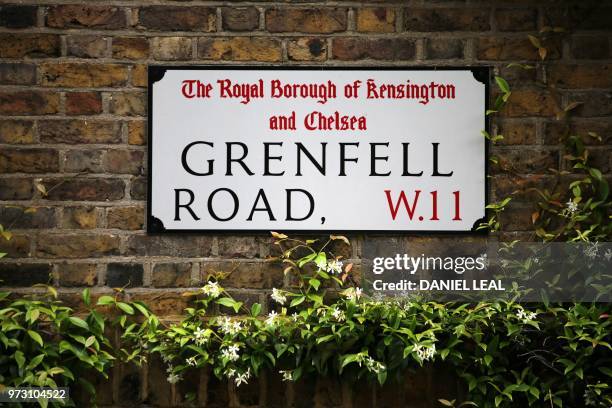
(316, 149)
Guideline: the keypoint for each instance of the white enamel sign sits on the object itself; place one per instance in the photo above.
(313, 149)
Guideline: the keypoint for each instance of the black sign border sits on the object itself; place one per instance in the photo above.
(156, 72)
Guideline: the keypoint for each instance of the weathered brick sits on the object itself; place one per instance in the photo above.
(597, 16)
(594, 47)
(239, 19)
(83, 161)
(138, 188)
(517, 219)
(249, 275)
(444, 48)
(83, 103)
(496, 49)
(521, 186)
(307, 49)
(86, 46)
(139, 75)
(172, 275)
(601, 159)
(28, 103)
(136, 132)
(530, 103)
(79, 218)
(171, 18)
(17, 74)
(581, 76)
(593, 104)
(516, 19)
(183, 245)
(28, 160)
(316, 20)
(82, 16)
(77, 74)
(349, 49)
(18, 16)
(124, 161)
(171, 48)
(79, 131)
(126, 218)
(29, 45)
(119, 275)
(128, 103)
(16, 131)
(130, 47)
(164, 304)
(376, 20)
(240, 49)
(238, 247)
(82, 189)
(16, 247)
(25, 274)
(447, 19)
(555, 132)
(16, 188)
(517, 133)
(77, 274)
(54, 245)
(518, 75)
(27, 217)
(528, 161)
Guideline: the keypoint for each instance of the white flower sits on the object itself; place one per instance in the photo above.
(353, 294)
(231, 353)
(424, 353)
(228, 326)
(571, 206)
(191, 361)
(278, 296)
(592, 250)
(321, 263)
(334, 266)
(338, 314)
(230, 373)
(295, 317)
(287, 375)
(173, 378)
(373, 365)
(212, 289)
(271, 320)
(525, 316)
(608, 254)
(242, 378)
(200, 336)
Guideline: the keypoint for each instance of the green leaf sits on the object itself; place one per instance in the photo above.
(498, 400)
(297, 301)
(77, 321)
(36, 337)
(86, 297)
(125, 308)
(105, 300)
(255, 309)
(446, 403)
(607, 371)
(19, 358)
(503, 85)
(315, 283)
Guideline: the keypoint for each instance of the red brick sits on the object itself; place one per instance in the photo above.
(597, 16)
(320, 20)
(171, 18)
(130, 47)
(17, 74)
(29, 45)
(16, 188)
(82, 16)
(79, 131)
(53, 245)
(28, 103)
(517, 133)
(496, 49)
(84, 189)
(593, 104)
(83, 103)
(447, 19)
(16, 132)
(18, 16)
(594, 47)
(528, 161)
(76, 74)
(239, 19)
(349, 49)
(28, 160)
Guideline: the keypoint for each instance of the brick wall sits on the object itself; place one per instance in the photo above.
(72, 136)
